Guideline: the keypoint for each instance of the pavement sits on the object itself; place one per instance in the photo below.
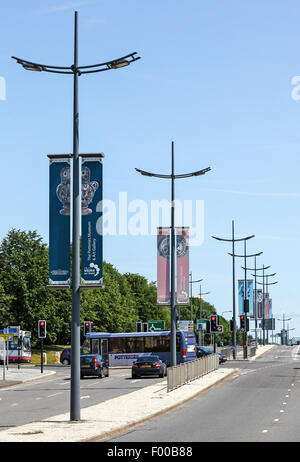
(112, 416)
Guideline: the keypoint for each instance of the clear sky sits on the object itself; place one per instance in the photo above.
(215, 77)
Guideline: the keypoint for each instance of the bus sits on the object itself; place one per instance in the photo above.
(125, 348)
(18, 349)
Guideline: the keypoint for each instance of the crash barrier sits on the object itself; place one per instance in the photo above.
(191, 370)
(239, 352)
(252, 351)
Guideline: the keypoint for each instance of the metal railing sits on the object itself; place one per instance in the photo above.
(191, 370)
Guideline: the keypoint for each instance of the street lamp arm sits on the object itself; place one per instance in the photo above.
(114, 61)
(197, 173)
(42, 66)
(264, 283)
(256, 269)
(264, 275)
(233, 240)
(177, 177)
(114, 64)
(247, 256)
(157, 175)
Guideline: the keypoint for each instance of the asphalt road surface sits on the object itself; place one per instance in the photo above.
(258, 404)
(33, 401)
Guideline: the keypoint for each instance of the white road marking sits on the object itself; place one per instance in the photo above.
(55, 394)
(276, 420)
(84, 397)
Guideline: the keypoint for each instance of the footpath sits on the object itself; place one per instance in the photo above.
(111, 416)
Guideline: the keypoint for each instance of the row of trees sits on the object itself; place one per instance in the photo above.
(25, 298)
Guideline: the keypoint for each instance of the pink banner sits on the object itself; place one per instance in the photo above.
(163, 266)
(182, 253)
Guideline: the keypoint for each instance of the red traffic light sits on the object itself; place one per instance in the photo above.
(42, 328)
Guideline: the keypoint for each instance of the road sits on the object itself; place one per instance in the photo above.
(258, 404)
(33, 401)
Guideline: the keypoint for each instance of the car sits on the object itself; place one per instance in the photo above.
(65, 356)
(203, 351)
(148, 365)
(93, 365)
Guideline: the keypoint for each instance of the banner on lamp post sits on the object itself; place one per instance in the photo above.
(182, 260)
(91, 220)
(259, 303)
(241, 289)
(163, 266)
(59, 220)
(267, 306)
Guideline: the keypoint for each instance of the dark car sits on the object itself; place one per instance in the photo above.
(203, 351)
(65, 356)
(149, 365)
(93, 365)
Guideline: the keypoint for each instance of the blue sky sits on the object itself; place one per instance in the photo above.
(215, 77)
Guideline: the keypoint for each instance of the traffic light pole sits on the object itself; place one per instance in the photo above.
(42, 354)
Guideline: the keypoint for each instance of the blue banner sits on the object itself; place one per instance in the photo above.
(250, 297)
(59, 221)
(91, 221)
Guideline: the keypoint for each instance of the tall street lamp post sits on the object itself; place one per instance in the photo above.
(263, 297)
(191, 303)
(173, 177)
(233, 240)
(246, 301)
(283, 336)
(76, 71)
(255, 269)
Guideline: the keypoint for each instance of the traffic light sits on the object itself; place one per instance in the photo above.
(232, 323)
(87, 327)
(242, 322)
(213, 323)
(42, 328)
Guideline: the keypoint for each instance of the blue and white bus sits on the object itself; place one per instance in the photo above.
(125, 348)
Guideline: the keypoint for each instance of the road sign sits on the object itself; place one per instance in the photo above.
(6, 337)
(201, 324)
(185, 325)
(154, 326)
